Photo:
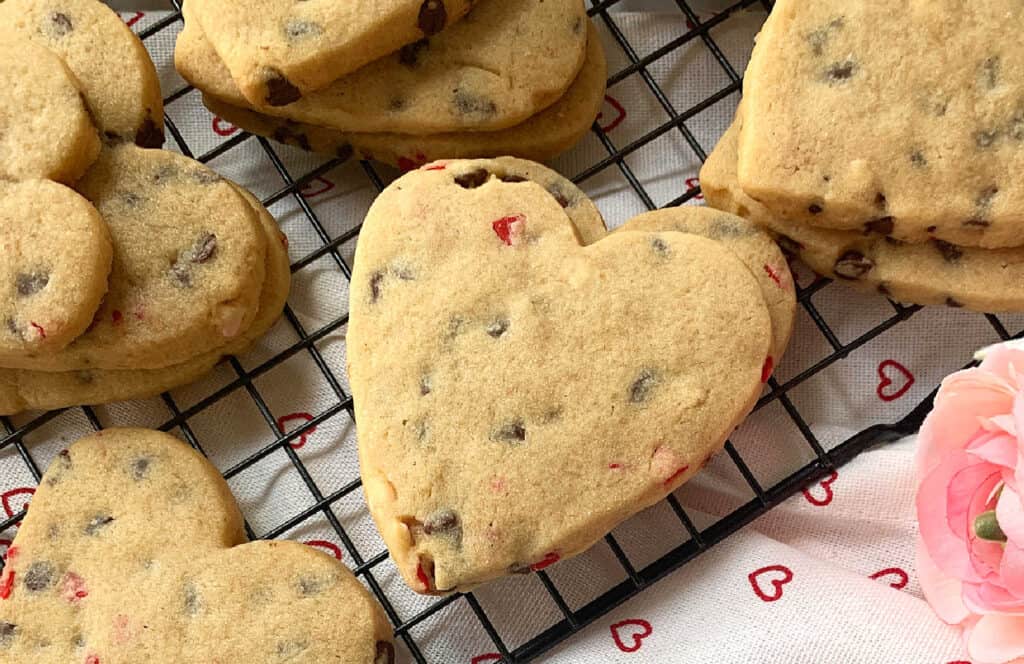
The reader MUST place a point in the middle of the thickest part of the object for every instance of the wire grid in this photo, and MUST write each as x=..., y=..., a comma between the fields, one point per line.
x=637, y=579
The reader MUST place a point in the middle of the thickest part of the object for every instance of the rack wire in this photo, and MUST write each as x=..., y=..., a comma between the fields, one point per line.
x=371, y=568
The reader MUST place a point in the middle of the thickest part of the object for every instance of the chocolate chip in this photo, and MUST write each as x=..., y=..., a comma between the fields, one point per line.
x=882, y=226
x=853, y=265
x=433, y=17
x=841, y=71
x=289, y=134
x=880, y=200
x=893, y=241
x=39, y=576
x=976, y=222
x=30, y=283
x=467, y=103
x=577, y=25
x=950, y=302
x=985, y=138
x=7, y=633
x=918, y=159
x=512, y=178
x=139, y=469
x=473, y=179
x=309, y=586
x=883, y=289
x=932, y=229
x=511, y=432
x=97, y=524
x=384, y=654
x=950, y=252
x=295, y=29
x=202, y=251
x=163, y=174
x=60, y=24
x=191, y=602
x=641, y=388
x=12, y=327
x=814, y=208
x=425, y=385
x=1017, y=125
x=60, y=465
x=498, y=327
x=376, y=285
x=818, y=39
x=409, y=55
x=559, y=196
x=129, y=198
x=288, y=649
x=985, y=198
x=204, y=248
x=789, y=245
x=280, y=91
x=149, y=135
x=445, y=524
x=343, y=152
x=660, y=247
x=204, y=176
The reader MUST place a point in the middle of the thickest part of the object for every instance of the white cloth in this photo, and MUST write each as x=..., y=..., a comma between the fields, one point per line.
x=712, y=610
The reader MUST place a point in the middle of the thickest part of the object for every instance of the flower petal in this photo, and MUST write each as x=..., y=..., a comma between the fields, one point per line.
x=967, y=495
x=987, y=598
x=946, y=550
x=995, y=447
x=1011, y=570
x=1010, y=515
x=942, y=592
x=997, y=638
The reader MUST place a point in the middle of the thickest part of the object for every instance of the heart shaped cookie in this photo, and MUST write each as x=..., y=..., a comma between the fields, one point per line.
x=133, y=550
x=518, y=394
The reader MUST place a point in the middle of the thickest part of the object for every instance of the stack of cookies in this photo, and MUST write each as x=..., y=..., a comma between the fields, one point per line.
x=407, y=82
x=126, y=270
x=881, y=160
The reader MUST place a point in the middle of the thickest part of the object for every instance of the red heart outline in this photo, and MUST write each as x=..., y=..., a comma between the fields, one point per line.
x=487, y=657
x=293, y=417
x=901, y=582
x=222, y=127
x=637, y=636
x=825, y=484
x=5, y=498
x=619, y=119
x=753, y=577
x=134, y=19
x=691, y=184
x=310, y=191
x=329, y=547
x=887, y=381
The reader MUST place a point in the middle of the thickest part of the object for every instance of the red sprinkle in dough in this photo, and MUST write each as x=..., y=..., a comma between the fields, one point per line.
x=7, y=585
x=12, y=553
x=73, y=589
x=773, y=275
x=674, y=476
x=548, y=560
x=116, y=317
x=422, y=577
x=92, y=659
x=505, y=227
x=614, y=466
x=39, y=327
x=766, y=370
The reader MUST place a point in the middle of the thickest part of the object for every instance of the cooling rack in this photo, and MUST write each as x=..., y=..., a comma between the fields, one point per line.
x=278, y=422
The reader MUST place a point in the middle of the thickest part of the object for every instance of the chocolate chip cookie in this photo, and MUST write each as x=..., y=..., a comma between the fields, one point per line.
x=118, y=79
x=518, y=394
x=540, y=138
x=135, y=547
x=493, y=70
x=911, y=123
x=276, y=51
x=38, y=390
x=45, y=128
x=934, y=272
x=188, y=267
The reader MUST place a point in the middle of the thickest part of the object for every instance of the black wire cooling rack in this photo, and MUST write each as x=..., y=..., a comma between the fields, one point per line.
x=825, y=457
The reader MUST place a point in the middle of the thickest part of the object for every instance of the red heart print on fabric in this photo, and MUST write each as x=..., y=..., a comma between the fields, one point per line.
x=894, y=380
x=222, y=127
x=827, y=494
x=620, y=114
x=316, y=186
x=297, y=417
x=767, y=582
x=16, y=500
x=135, y=18
x=630, y=634
x=330, y=547
x=898, y=578
x=691, y=184
x=489, y=657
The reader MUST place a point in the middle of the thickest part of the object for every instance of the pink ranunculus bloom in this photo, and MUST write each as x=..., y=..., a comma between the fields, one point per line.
x=970, y=475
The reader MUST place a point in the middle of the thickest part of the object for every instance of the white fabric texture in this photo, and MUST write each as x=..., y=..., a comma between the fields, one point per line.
x=829, y=541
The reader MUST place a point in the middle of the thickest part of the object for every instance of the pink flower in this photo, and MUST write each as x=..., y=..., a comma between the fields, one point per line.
x=970, y=472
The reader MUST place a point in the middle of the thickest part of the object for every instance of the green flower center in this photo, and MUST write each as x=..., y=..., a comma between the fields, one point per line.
x=986, y=527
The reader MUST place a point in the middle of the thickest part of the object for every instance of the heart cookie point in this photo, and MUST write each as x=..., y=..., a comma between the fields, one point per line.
x=536, y=378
